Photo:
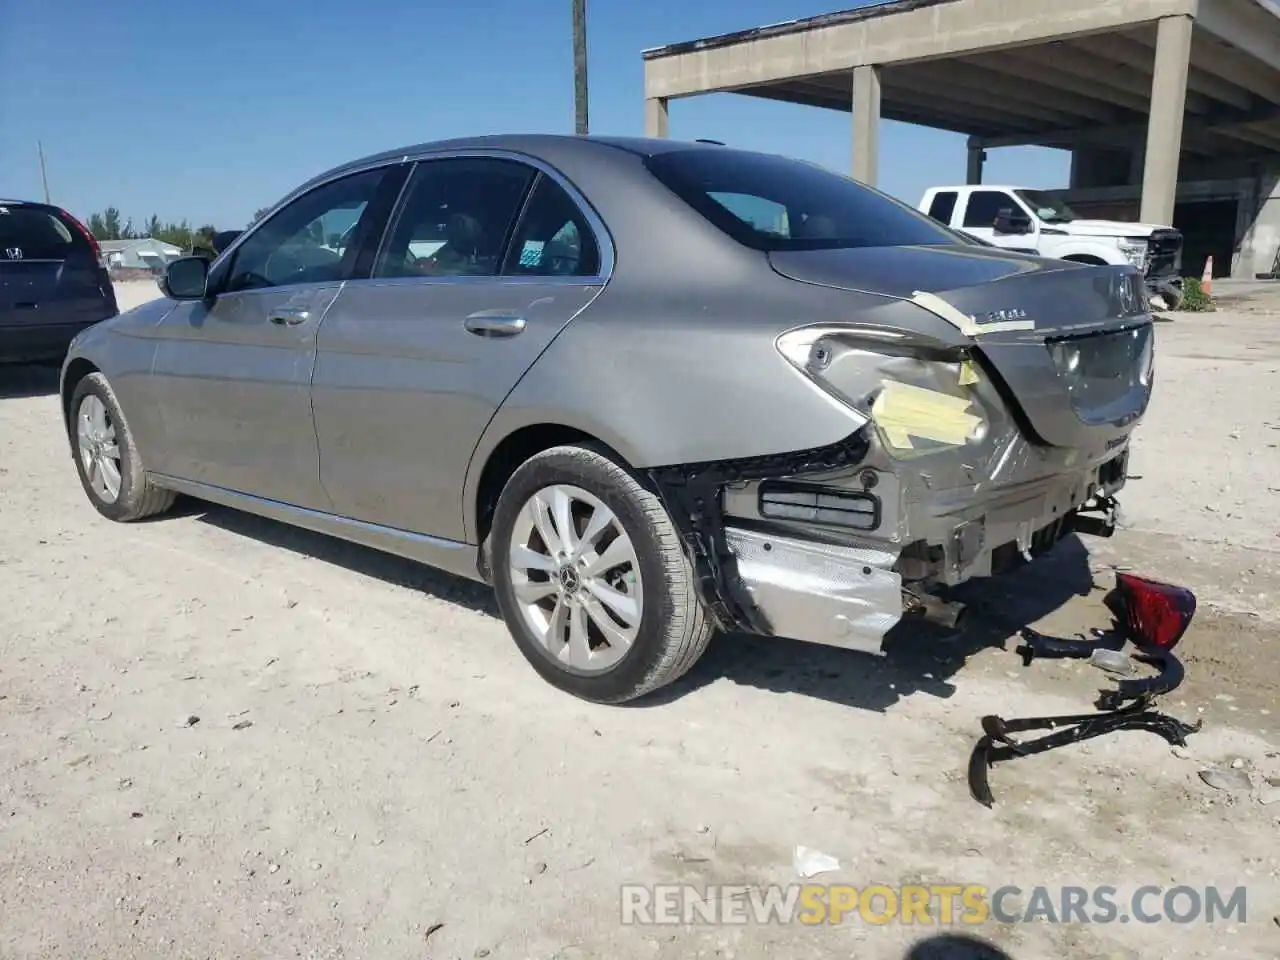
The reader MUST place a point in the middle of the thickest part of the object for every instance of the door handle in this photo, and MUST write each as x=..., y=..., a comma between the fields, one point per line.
x=495, y=324
x=290, y=317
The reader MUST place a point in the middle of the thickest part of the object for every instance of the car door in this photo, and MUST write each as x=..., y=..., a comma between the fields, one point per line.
x=233, y=372
x=486, y=261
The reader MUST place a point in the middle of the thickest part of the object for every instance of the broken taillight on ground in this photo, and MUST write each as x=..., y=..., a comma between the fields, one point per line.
x=1153, y=614
x=1153, y=617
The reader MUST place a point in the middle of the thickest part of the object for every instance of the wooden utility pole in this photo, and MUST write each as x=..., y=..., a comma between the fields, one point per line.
x=44, y=176
x=580, y=66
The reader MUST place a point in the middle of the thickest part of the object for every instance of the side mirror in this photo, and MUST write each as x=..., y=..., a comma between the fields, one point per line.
x=185, y=278
x=1010, y=221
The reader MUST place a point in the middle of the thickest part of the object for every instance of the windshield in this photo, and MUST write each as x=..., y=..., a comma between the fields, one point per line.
x=1046, y=206
x=773, y=203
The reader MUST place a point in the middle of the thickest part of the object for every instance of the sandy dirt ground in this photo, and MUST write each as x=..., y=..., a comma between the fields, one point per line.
x=221, y=737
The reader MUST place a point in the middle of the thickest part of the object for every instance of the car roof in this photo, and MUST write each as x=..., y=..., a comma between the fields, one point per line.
x=4, y=202
x=535, y=144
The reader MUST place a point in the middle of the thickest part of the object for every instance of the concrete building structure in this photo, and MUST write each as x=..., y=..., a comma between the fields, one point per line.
x=1170, y=108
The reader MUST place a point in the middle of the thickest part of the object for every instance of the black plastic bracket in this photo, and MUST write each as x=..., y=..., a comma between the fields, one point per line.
x=692, y=494
x=1128, y=707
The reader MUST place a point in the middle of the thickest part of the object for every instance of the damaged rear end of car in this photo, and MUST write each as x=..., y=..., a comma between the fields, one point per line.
x=997, y=395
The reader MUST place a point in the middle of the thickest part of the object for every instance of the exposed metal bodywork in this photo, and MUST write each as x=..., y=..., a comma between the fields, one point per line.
x=826, y=427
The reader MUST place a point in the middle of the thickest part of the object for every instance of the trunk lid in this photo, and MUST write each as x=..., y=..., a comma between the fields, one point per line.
x=1071, y=344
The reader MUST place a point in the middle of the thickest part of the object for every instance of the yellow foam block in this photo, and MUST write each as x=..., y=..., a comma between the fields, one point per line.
x=905, y=412
x=968, y=374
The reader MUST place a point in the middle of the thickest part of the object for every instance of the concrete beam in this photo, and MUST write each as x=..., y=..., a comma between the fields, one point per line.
x=955, y=114
x=973, y=173
x=1212, y=55
x=656, y=117
x=1007, y=118
x=931, y=32
x=1134, y=133
x=1131, y=52
x=866, y=124
x=1251, y=135
x=1022, y=87
x=1164, y=126
x=1246, y=26
x=1137, y=81
x=964, y=84
x=824, y=99
x=1019, y=64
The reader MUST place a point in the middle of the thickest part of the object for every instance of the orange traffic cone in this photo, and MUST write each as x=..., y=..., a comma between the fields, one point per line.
x=1206, y=278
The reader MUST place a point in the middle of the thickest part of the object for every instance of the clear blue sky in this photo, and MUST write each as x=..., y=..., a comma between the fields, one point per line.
x=210, y=110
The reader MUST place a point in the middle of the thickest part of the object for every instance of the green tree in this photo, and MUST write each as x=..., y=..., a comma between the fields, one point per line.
x=153, y=227
x=179, y=234
x=111, y=224
x=97, y=227
x=259, y=214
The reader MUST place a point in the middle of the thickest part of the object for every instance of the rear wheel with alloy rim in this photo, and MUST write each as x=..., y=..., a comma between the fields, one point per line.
x=591, y=578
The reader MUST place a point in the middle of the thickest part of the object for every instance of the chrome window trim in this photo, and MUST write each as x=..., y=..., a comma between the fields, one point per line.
x=604, y=239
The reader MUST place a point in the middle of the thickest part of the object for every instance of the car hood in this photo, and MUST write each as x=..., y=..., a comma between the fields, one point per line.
x=1017, y=312
x=1108, y=228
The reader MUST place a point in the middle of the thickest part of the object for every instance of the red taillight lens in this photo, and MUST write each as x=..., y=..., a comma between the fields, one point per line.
x=84, y=232
x=1155, y=614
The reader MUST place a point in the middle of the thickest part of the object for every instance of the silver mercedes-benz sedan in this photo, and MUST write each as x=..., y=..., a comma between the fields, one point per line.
x=646, y=389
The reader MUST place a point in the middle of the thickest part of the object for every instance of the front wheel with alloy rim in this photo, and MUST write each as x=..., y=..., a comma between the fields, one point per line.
x=591, y=578
x=106, y=457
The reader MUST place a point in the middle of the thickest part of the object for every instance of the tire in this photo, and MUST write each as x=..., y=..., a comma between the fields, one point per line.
x=673, y=627
x=136, y=497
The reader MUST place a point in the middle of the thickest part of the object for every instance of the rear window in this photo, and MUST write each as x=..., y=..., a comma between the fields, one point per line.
x=773, y=203
x=37, y=234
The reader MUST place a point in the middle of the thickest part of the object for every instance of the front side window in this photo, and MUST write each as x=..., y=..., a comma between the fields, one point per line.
x=456, y=216
x=312, y=240
x=775, y=203
x=554, y=238
x=985, y=205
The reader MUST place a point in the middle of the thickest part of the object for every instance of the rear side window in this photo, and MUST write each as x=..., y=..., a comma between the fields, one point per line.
x=554, y=238
x=36, y=234
x=943, y=206
x=774, y=203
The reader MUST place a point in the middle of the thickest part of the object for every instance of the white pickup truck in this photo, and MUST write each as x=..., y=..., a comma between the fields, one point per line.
x=1021, y=218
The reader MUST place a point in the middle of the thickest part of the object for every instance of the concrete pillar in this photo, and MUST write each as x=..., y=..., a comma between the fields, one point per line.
x=866, y=123
x=1164, y=125
x=655, y=117
x=977, y=157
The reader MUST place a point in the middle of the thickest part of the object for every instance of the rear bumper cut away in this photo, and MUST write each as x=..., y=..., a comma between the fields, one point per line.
x=811, y=582
x=838, y=596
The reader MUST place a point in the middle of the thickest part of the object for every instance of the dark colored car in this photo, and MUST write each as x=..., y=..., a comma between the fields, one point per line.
x=53, y=281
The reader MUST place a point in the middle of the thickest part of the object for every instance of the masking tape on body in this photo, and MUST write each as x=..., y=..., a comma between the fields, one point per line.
x=962, y=321
x=907, y=413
